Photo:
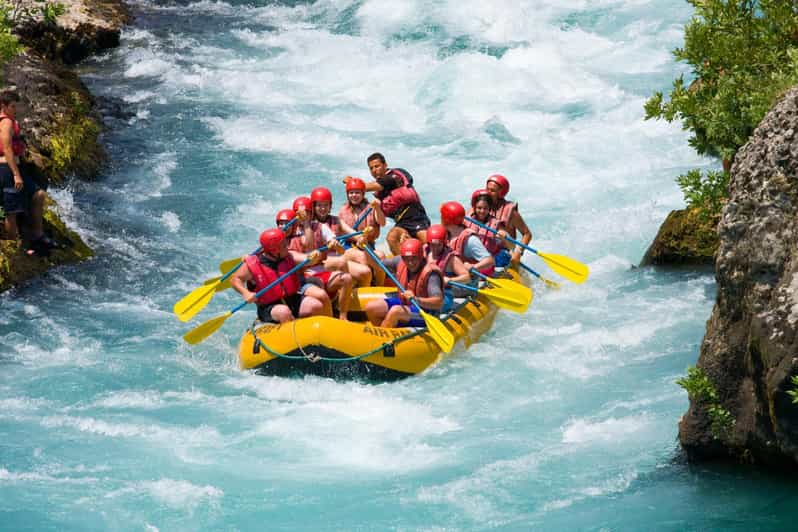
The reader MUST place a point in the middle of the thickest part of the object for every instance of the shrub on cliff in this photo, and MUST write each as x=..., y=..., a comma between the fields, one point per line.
x=743, y=55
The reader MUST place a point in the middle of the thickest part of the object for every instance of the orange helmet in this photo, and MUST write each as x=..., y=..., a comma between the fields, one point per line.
x=356, y=184
x=504, y=184
x=270, y=241
x=436, y=234
x=412, y=247
x=452, y=213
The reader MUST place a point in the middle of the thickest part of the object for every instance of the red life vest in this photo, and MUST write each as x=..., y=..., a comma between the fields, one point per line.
x=491, y=242
x=17, y=142
x=503, y=212
x=443, y=260
x=332, y=222
x=458, y=243
x=263, y=276
x=419, y=284
x=403, y=195
x=347, y=214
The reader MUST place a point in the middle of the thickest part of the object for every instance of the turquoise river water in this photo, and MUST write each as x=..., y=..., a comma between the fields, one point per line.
x=564, y=418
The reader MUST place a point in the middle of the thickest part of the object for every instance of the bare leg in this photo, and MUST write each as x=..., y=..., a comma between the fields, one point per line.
x=342, y=284
x=281, y=314
x=376, y=310
x=319, y=294
x=36, y=213
x=12, y=231
x=395, y=237
x=395, y=315
x=311, y=306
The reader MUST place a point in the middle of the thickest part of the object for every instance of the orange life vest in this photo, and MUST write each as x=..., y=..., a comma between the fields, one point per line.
x=418, y=284
x=348, y=215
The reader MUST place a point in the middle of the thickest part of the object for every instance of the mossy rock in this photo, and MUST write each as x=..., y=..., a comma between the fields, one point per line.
x=684, y=239
x=16, y=266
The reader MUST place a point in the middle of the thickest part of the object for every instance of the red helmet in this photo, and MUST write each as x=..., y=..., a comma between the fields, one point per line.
x=452, y=213
x=479, y=194
x=356, y=184
x=321, y=194
x=302, y=202
x=504, y=184
x=412, y=247
x=285, y=215
x=436, y=234
x=270, y=241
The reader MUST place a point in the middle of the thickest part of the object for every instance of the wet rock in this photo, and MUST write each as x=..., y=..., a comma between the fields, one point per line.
x=750, y=350
x=684, y=239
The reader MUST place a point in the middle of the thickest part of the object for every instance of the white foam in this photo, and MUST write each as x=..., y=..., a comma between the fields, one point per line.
x=171, y=221
x=611, y=430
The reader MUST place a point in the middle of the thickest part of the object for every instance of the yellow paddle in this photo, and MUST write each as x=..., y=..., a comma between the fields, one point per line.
x=201, y=332
x=524, y=292
x=549, y=283
x=501, y=297
x=435, y=327
x=569, y=268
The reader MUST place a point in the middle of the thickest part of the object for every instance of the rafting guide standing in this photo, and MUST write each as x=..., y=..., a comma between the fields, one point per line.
x=399, y=201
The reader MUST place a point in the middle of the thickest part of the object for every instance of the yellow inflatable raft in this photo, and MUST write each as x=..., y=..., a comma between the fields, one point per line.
x=333, y=348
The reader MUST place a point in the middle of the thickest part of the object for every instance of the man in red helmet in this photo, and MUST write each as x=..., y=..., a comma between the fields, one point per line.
x=422, y=280
x=399, y=200
x=291, y=298
x=506, y=212
x=465, y=243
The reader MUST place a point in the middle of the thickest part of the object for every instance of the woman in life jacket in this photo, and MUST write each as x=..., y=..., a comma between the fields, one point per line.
x=481, y=207
x=507, y=213
x=451, y=266
x=289, y=299
x=20, y=194
x=463, y=241
x=354, y=208
x=422, y=280
x=355, y=264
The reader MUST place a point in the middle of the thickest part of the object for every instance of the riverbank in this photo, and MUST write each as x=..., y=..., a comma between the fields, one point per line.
x=59, y=118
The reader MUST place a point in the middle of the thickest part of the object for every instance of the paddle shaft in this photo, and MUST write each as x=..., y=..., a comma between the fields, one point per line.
x=391, y=276
x=232, y=271
x=361, y=218
x=507, y=237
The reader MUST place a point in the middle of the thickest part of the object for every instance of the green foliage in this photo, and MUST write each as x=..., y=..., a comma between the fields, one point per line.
x=698, y=385
x=744, y=55
x=794, y=392
x=701, y=390
x=707, y=192
x=9, y=44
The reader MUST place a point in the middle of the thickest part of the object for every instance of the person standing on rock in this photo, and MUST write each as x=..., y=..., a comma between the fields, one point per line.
x=399, y=200
x=20, y=194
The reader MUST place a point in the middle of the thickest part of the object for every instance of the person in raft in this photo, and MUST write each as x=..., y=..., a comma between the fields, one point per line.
x=354, y=262
x=399, y=200
x=421, y=279
x=311, y=234
x=507, y=213
x=439, y=253
x=289, y=299
x=481, y=207
x=20, y=194
x=467, y=245
x=356, y=204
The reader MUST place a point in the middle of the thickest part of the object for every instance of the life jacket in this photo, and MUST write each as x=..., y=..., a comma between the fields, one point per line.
x=295, y=241
x=419, y=284
x=503, y=212
x=332, y=222
x=17, y=140
x=348, y=216
x=491, y=242
x=265, y=274
x=443, y=260
x=404, y=195
x=458, y=246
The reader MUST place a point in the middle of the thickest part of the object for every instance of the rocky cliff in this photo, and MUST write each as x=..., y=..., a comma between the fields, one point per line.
x=739, y=401
x=58, y=116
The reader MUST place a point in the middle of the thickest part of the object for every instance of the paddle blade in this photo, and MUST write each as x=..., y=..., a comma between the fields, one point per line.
x=507, y=300
x=569, y=268
x=442, y=336
x=200, y=333
x=551, y=284
x=229, y=264
x=194, y=301
x=221, y=286
x=524, y=293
